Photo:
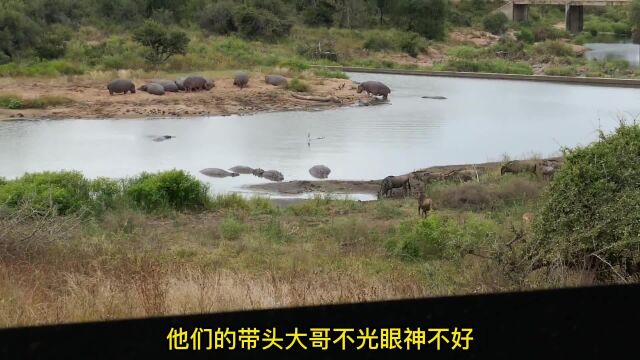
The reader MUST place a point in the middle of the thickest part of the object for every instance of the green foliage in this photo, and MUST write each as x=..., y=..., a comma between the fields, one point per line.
x=525, y=35
x=161, y=43
x=425, y=17
x=437, y=237
x=18, y=32
x=495, y=23
x=320, y=14
x=231, y=229
x=614, y=67
x=330, y=74
x=560, y=70
x=255, y=23
x=298, y=85
x=66, y=191
x=547, y=32
x=16, y=102
x=487, y=66
x=554, y=48
x=592, y=205
x=634, y=18
x=218, y=18
x=172, y=189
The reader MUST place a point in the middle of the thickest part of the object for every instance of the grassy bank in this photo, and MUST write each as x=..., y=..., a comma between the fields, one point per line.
x=75, y=249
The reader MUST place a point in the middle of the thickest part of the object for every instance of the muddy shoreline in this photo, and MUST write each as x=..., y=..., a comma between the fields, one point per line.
x=91, y=100
x=417, y=178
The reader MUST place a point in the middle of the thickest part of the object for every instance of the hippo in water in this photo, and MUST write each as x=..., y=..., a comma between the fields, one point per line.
x=320, y=172
x=121, y=86
x=195, y=83
x=242, y=169
x=273, y=175
x=275, y=80
x=241, y=80
x=163, y=138
x=374, y=87
x=152, y=88
x=215, y=172
x=168, y=85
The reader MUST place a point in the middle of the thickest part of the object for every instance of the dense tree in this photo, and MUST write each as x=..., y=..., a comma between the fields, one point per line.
x=255, y=23
x=320, y=13
x=18, y=32
x=426, y=17
x=635, y=20
x=218, y=18
x=160, y=42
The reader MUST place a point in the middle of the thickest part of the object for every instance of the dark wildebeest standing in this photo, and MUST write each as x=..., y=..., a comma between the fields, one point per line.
x=393, y=182
x=425, y=204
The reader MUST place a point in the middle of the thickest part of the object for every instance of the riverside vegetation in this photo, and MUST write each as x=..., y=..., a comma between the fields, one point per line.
x=72, y=37
x=77, y=249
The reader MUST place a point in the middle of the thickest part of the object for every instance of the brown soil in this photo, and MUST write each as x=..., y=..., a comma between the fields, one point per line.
x=92, y=100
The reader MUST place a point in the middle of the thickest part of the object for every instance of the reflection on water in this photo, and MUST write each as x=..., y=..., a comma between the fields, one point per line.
x=479, y=121
x=614, y=51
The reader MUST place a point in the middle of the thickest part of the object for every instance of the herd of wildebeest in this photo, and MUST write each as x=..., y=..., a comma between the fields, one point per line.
x=241, y=79
x=541, y=168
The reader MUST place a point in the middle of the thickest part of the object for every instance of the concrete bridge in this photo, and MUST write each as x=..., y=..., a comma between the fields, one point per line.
x=518, y=10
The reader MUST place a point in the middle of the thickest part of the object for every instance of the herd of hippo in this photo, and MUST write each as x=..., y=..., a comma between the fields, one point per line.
x=317, y=171
x=241, y=79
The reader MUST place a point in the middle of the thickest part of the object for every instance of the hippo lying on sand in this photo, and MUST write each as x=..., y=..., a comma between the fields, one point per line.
x=320, y=172
x=215, y=172
x=374, y=88
x=121, y=86
x=195, y=83
x=273, y=175
x=168, y=85
x=241, y=80
x=152, y=88
x=275, y=80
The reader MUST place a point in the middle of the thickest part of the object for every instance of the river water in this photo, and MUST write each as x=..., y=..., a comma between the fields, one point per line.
x=481, y=120
x=610, y=51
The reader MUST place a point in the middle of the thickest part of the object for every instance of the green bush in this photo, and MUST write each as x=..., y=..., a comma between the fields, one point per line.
x=231, y=229
x=547, y=32
x=172, y=189
x=495, y=23
x=437, y=238
x=554, y=48
x=320, y=15
x=255, y=23
x=298, y=85
x=218, y=18
x=592, y=206
x=66, y=191
x=330, y=74
x=560, y=70
x=526, y=36
x=376, y=42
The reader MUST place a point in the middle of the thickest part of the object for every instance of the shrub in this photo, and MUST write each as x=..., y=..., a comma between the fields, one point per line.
x=218, y=18
x=542, y=33
x=16, y=102
x=330, y=74
x=320, y=15
x=231, y=229
x=560, y=70
x=495, y=23
x=172, y=189
x=488, y=66
x=255, y=23
x=66, y=191
x=298, y=85
x=554, y=48
x=525, y=35
x=376, y=42
x=411, y=44
x=161, y=43
x=591, y=207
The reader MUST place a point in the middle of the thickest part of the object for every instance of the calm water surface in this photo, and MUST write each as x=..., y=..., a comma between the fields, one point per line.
x=479, y=121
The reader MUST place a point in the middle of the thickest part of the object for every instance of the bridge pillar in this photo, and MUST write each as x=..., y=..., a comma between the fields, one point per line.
x=520, y=12
x=574, y=17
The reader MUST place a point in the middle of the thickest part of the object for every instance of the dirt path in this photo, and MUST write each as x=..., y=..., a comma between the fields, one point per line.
x=92, y=100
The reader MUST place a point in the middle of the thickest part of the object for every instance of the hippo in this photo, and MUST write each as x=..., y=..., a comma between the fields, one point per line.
x=152, y=88
x=195, y=83
x=215, y=172
x=273, y=175
x=374, y=87
x=180, y=83
x=242, y=169
x=320, y=172
x=519, y=166
x=168, y=85
x=121, y=86
x=241, y=80
x=275, y=80
x=392, y=182
x=258, y=172
x=163, y=138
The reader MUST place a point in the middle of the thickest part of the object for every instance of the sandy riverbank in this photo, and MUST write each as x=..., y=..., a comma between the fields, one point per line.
x=90, y=98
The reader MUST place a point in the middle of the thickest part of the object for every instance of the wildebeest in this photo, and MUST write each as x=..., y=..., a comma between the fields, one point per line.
x=393, y=182
x=519, y=166
x=425, y=204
